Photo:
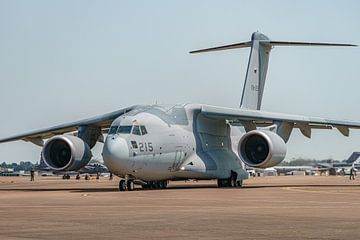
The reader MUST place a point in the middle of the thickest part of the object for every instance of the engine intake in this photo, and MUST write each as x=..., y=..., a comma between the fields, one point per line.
x=66, y=153
x=261, y=149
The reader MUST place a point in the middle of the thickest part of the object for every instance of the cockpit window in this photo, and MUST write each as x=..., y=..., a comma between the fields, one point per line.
x=136, y=130
x=143, y=130
x=113, y=130
x=124, y=130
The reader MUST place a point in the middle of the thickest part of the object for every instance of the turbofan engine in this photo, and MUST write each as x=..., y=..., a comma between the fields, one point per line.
x=66, y=153
x=261, y=149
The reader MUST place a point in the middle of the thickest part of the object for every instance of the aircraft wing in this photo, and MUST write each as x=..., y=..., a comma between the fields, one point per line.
x=103, y=121
x=262, y=118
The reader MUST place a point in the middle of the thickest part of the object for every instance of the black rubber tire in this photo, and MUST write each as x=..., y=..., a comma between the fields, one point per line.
x=155, y=185
x=220, y=183
x=130, y=185
x=122, y=185
x=160, y=184
x=165, y=183
x=232, y=182
x=239, y=183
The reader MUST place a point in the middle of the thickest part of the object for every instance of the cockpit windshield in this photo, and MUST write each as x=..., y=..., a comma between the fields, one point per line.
x=127, y=129
x=139, y=130
x=136, y=130
x=143, y=130
x=113, y=130
x=124, y=130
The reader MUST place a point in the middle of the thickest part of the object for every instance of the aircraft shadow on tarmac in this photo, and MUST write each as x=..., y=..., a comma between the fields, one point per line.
x=179, y=187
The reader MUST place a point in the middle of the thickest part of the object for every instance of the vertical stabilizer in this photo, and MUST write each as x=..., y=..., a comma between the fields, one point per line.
x=256, y=72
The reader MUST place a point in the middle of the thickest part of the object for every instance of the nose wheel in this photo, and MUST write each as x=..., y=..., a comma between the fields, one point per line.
x=122, y=185
x=126, y=185
x=130, y=185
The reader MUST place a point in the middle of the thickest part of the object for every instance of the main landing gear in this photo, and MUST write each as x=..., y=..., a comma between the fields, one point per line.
x=230, y=182
x=156, y=184
x=129, y=185
x=66, y=176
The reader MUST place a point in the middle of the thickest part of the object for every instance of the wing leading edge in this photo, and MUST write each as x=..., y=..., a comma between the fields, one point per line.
x=103, y=121
x=262, y=118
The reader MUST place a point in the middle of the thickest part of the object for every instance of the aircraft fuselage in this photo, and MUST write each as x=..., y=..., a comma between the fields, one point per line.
x=155, y=143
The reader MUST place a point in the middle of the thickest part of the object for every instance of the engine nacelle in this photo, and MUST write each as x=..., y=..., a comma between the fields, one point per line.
x=66, y=153
x=261, y=149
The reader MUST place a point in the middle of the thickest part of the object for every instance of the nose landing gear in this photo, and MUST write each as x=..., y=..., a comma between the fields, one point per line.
x=130, y=185
x=126, y=185
x=122, y=185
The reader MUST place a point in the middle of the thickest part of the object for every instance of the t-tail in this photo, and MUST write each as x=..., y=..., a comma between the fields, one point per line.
x=258, y=63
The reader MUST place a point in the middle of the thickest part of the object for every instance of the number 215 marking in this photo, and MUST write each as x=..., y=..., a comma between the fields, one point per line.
x=146, y=147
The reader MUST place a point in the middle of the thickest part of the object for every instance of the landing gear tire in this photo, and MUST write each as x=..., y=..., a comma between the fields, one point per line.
x=222, y=183
x=232, y=179
x=130, y=185
x=66, y=176
x=163, y=184
x=122, y=185
x=239, y=183
x=232, y=182
x=155, y=185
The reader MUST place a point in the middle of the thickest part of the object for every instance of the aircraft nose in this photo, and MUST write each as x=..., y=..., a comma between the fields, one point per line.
x=116, y=154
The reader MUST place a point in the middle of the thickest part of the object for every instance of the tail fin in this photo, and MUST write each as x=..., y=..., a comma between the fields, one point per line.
x=353, y=157
x=255, y=78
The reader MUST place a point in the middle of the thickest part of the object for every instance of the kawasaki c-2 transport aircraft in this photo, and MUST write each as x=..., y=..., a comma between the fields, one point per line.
x=151, y=144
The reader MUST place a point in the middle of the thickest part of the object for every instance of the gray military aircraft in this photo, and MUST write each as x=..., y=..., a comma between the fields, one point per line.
x=151, y=144
x=92, y=167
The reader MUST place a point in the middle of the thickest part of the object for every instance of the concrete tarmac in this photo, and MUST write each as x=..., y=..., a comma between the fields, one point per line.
x=286, y=207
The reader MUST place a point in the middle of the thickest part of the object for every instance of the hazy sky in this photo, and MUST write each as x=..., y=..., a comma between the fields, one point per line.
x=65, y=60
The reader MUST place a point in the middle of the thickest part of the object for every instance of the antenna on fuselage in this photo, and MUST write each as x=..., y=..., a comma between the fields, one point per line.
x=257, y=67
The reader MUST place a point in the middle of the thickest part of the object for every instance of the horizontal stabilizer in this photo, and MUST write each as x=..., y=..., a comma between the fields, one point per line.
x=225, y=47
x=281, y=43
x=272, y=43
